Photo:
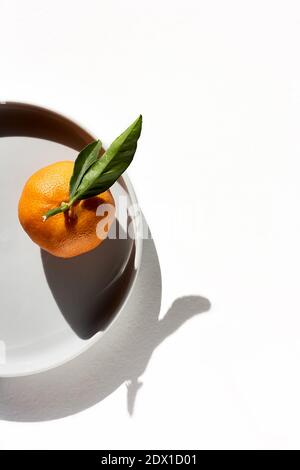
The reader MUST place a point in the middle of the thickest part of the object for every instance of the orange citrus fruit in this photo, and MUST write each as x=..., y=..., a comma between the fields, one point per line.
x=66, y=234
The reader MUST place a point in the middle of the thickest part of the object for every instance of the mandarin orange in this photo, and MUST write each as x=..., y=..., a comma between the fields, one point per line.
x=67, y=234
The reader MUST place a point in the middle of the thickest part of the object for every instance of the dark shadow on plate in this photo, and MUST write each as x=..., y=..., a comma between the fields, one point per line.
x=89, y=289
x=120, y=357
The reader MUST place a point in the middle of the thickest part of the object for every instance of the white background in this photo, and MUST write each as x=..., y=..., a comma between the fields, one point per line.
x=217, y=176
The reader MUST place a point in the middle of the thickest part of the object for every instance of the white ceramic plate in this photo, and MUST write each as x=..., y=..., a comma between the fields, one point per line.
x=51, y=309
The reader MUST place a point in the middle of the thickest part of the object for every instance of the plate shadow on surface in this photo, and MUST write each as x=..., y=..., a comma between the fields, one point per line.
x=121, y=356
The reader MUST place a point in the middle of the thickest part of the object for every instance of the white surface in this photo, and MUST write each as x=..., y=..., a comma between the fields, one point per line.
x=218, y=85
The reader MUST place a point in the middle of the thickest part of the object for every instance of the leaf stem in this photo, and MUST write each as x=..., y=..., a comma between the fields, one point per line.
x=64, y=207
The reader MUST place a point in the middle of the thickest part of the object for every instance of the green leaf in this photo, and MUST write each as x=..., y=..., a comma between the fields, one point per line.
x=103, y=173
x=93, y=175
x=86, y=158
